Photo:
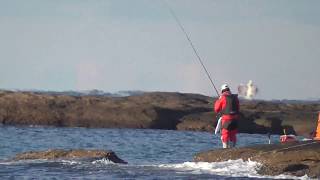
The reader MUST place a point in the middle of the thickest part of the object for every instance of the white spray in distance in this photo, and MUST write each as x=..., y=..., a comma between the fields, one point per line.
x=248, y=91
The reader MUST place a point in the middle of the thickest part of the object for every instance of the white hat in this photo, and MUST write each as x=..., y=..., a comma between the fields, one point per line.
x=224, y=87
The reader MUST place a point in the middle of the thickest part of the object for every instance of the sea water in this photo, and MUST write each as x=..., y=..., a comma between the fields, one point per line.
x=151, y=154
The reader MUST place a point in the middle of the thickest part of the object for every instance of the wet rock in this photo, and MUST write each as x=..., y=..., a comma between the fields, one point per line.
x=296, y=158
x=54, y=154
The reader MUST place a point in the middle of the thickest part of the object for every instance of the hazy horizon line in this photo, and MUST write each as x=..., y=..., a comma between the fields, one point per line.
x=144, y=91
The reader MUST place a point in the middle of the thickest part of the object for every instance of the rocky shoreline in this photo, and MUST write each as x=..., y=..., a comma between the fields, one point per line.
x=155, y=110
x=173, y=111
x=296, y=158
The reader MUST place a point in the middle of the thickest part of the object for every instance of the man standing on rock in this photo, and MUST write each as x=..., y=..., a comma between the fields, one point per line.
x=228, y=106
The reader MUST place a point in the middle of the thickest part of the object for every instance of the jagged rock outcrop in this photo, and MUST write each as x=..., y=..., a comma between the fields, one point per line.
x=54, y=154
x=156, y=110
x=296, y=158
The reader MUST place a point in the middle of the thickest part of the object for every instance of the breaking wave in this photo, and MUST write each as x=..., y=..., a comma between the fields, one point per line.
x=231, y=168
x=103, y=161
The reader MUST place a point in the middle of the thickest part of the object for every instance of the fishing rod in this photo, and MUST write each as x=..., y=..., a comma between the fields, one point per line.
x=191, y=44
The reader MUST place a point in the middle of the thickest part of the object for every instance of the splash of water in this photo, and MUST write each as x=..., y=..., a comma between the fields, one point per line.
x=231, y=168
x=248, y=91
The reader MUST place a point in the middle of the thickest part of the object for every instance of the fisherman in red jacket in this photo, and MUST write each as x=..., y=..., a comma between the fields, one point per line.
x=228, y=106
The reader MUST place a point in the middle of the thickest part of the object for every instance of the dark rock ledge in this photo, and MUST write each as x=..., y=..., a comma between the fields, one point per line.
x=54, y=154
x=297, y=158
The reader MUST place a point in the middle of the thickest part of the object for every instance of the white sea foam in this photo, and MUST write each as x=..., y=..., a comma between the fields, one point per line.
x=29, y=161
x=103, y=161
x=7, y=163
x=70, y=162
x=231, y=168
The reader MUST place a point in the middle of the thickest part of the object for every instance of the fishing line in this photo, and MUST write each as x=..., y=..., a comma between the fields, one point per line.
x=286, y=148
x=191, y=44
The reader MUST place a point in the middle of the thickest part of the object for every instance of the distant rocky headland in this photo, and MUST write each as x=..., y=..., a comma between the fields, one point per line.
x=155, y=110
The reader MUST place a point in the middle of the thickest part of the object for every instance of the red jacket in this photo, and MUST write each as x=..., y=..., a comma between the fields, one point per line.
x=221, y=103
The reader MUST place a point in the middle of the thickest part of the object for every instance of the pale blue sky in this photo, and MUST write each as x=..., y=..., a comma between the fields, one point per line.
x=116, y=45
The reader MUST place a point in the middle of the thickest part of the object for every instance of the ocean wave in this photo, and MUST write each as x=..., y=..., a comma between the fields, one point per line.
x=70, y=162
x=13, y=162
x=103, y=161
x=231, y=168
